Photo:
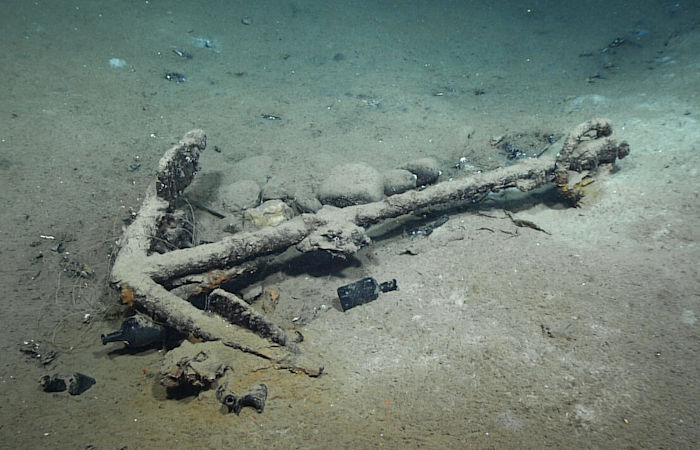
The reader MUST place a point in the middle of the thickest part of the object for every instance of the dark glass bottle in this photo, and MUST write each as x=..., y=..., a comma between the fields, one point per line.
x=363, y=291
x=136, y=331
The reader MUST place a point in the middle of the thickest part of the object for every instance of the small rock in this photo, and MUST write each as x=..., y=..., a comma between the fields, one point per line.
x=426, y=169
x=274, y=190
x=239, y=196
x=351, y=184
x=250, y=293
x=307, y=202
x=397, y=181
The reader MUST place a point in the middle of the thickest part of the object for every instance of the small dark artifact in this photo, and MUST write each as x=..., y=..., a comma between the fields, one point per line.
x=136, y=331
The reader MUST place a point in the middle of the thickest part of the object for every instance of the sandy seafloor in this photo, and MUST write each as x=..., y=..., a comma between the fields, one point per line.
x=458, y=357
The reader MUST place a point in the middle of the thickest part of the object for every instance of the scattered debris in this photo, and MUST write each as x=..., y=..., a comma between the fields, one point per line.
x=182, y=53
x=52, y=383
x=34, y=350
x=255, y=397
x=176, y=77
x=444, y=90
x=202, y=42
x=77, y=383
x=428, y=229
x=546, y=331
x=524, y=145
x=524, y=223
x=135, y=164
x=613, y=44
x=116, y=63
x=75, y=268
x=195, y=365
